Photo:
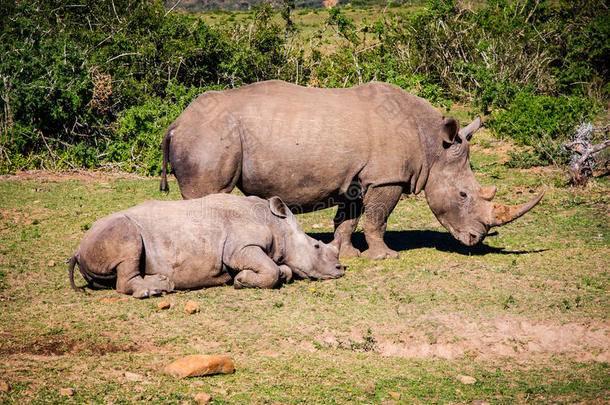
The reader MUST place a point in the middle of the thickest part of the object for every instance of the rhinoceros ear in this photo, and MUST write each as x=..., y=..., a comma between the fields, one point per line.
x=278, y=208
x=450, y=129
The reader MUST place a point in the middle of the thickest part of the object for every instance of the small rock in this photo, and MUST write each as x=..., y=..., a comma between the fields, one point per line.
x=191, y=307
x=4, y=385
x=129, y=376
x=51, y=263
x=66, y=391
x=163, y=305
x=111, y=299
x=394, y=395
x=203, y=397
x=200, y=364
x=466, y=379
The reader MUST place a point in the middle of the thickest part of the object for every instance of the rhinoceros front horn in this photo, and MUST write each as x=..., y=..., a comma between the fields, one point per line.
x=503, y=214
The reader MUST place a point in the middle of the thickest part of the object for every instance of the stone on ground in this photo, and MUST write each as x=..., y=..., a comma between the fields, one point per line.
x=191, y=307
x=163, y=305
x=466, y=379
x=198, y=365
x=66, y=391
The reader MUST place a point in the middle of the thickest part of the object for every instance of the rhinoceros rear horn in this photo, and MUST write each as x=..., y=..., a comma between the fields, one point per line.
x=336, y=243
x=488, y=193
x=278, y=208
x=503, y=214
x=471, y=128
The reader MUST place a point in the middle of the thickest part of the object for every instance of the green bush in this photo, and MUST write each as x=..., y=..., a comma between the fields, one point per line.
x=541, y=122
x=135, y=146
x=94, y=84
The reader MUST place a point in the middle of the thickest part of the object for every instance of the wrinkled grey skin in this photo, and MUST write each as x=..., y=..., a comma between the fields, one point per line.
x=357, y=148
x=161, y=245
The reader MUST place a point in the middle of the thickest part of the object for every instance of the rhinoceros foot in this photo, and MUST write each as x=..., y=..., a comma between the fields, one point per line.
x=285, y=274
x=153, y=285
x=348, y=252
x=381, y=253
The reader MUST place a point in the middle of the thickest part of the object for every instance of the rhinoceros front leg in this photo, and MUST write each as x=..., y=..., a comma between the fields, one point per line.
x=378, y=204
x=256, y=269
x=346, y=220
x=129, y=281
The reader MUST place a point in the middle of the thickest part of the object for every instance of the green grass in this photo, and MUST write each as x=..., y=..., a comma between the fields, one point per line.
x=525, y=313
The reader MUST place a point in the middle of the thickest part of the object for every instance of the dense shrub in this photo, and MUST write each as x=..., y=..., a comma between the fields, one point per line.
x=75, y=74
x=93, y=84
x=542, y=122
x=135, y=146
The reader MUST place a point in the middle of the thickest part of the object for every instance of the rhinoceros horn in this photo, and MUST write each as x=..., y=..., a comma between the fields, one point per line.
x=503, y=214
x=488, y=193
x=336, y=243
x=471, y=128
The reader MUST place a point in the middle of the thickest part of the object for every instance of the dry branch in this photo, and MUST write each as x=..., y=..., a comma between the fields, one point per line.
x=583, y=153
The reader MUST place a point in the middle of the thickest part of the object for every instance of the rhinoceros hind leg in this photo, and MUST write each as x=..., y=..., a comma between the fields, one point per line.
x=378, y=204
x=346, y=220
x=149, y=286
x=256, y=269
x=207, y=166
x=129, y=281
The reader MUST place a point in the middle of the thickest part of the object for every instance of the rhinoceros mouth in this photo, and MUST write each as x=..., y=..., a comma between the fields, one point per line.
x=331, y=276
x=470, y=237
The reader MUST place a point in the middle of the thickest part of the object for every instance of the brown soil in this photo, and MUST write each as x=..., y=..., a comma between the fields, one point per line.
x=82, y=175
x=450, y=337
x=60, y=344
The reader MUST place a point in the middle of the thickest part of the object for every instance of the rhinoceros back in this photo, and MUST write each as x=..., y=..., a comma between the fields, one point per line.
x=305, y=145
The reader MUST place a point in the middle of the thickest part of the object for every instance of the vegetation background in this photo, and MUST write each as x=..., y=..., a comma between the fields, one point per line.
x=95, y=84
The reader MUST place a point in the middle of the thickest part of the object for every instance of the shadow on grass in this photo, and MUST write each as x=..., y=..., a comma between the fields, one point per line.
x=443, y=241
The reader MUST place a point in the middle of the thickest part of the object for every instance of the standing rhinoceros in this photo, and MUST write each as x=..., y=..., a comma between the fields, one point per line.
x=161, y=245
x=357, y=148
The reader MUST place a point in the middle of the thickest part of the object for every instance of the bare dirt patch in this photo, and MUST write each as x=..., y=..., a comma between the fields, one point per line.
x=514, y=338
x=451, y=337
x=20, y=217
x=81, y=175
x=59, y=345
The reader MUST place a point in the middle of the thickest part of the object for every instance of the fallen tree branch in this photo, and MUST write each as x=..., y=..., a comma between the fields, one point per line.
x=583, y=153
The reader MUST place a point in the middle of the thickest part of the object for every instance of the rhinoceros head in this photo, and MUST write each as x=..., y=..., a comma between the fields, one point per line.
x=306, y=256
x=457, y=200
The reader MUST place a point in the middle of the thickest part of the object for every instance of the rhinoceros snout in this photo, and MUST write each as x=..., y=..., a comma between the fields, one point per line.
x=471, y=238
x=338, y=271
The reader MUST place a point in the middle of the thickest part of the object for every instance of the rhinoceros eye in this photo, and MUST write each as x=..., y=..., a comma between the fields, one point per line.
x=462, y=194
x=316, y=245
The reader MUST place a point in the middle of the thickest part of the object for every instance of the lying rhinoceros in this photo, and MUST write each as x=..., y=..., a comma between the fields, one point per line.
x=358, y=148
x=161, y=245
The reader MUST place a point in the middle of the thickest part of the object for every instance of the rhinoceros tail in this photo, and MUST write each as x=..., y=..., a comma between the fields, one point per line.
x=73, y=262
x=165, y=147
